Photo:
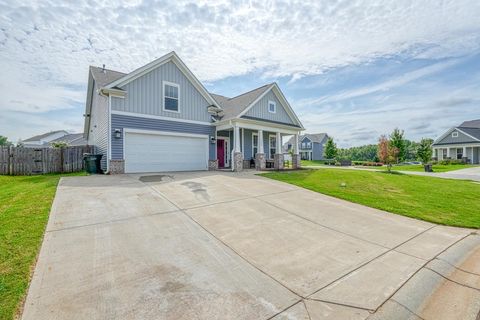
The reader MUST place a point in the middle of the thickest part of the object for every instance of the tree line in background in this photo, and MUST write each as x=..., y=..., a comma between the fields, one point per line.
x=393, y=148
x=4, y=142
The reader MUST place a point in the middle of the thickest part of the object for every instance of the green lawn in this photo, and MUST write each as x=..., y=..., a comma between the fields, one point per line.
x=443, y=201
x=312, y=163
x=419, y=167
x=25, y=203
x=436, y=167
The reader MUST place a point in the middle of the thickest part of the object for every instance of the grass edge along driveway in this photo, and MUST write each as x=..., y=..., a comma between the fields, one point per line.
x=442, y=201
x=25, y=203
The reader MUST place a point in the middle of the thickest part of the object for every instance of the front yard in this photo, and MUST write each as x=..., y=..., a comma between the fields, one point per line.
x=414, y=167
x=443, y=201
x=435, y=167
x=25, y=203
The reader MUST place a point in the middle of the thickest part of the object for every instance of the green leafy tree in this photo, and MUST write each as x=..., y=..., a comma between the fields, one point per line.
x=397, y=141
x=387, y=153
x=424, y=150
x=4, y=141
x=59, y=144
x=331, y=150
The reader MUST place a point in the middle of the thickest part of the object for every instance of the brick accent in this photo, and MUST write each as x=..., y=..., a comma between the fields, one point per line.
x=212, y=165
x=278, y=161
x=296, y=161
x=117, y=166
x=238, y=161
x=260, y=161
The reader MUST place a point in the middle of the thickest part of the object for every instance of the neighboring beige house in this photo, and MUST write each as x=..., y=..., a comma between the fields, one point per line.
x=462, y=142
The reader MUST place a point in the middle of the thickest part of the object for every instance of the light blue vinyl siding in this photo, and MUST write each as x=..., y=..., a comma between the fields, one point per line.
x=144, y=95
x=247, y=152
x=121, y=122
x=306, y=140
x=260, y=110
x=98, y=135
x=317, y=152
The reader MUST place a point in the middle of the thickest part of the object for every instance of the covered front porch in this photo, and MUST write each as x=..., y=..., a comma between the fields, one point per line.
x=467, y=153
x=247, y=144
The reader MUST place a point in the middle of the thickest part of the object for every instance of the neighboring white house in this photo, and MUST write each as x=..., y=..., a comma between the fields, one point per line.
x=460, y=143
x=45, y=140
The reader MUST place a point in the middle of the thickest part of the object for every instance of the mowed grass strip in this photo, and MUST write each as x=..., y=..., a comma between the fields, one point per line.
x=25, y=203
x=442, y=201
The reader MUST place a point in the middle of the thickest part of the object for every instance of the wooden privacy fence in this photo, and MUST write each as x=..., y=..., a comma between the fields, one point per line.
x=27, y=161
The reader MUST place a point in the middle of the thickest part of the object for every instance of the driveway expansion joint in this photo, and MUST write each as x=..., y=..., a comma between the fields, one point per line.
x=408, y=309
x=451, y=280
x=226, y=245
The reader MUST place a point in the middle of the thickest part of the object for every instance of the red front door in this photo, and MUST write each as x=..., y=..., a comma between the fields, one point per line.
x=221, y=153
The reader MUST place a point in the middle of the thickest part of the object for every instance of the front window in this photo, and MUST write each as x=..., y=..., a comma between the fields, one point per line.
x=454, y=134
x=444, y=153
x=273, y=146
x=254, y=144
x=272, y=106
x=171, y=96
x=459, y=153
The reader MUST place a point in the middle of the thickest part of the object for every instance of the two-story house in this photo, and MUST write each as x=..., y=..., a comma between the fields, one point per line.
x=310, y=146
x=161, y=118
x=459, y=143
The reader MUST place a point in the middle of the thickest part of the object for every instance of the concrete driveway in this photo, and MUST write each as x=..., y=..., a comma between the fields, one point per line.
x=217, y=245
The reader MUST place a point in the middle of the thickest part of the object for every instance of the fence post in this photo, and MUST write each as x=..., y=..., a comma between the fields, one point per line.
x=62, y=159
x=10, y=160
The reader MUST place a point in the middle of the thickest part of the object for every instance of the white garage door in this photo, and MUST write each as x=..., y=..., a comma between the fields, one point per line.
x=160, y=152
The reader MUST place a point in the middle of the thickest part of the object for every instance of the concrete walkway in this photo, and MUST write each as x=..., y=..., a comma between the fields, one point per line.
x=462, y=174
x=213, y=245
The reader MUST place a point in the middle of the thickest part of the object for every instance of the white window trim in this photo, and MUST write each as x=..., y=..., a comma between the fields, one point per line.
x=253, y=147
x=271, y=156
x=274, y=106
x=455, y=134
x=163, y=95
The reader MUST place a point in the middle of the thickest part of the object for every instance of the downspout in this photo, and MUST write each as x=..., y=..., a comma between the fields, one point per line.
x=108, y=129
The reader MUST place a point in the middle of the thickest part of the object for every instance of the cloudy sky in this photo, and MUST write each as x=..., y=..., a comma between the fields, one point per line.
x=355, y=69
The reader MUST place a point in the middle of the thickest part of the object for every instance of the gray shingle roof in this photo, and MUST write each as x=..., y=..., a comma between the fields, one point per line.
x=105, y=76
x=470, y=124
x=73, y=139
x=42, y=136
x=234, y=106
x=314, y=137
x=474, y=132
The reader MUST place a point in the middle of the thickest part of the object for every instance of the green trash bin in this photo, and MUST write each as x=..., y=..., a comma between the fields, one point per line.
x=92, y=163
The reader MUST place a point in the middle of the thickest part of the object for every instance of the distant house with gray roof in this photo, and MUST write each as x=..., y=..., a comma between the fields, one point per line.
x=461, y=142
x=310, y=145
x=46, y=140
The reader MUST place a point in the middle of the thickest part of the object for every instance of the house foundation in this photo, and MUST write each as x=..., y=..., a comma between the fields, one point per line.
x=212, y=165
x=117, y=166
x=278, y=161
x=296, y=162
x=260, y=161
x=237, y=161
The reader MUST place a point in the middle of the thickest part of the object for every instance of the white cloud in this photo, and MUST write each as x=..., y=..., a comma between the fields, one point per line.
x=382, y=86
x=46, y=46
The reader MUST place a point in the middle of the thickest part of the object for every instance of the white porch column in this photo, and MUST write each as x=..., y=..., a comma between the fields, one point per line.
x=260, y=141
x=448, y=152
x=296, y=144
x=279, y=143
x=464, y=154
x=278, y=157
x=296, y=154
x=236, y=138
